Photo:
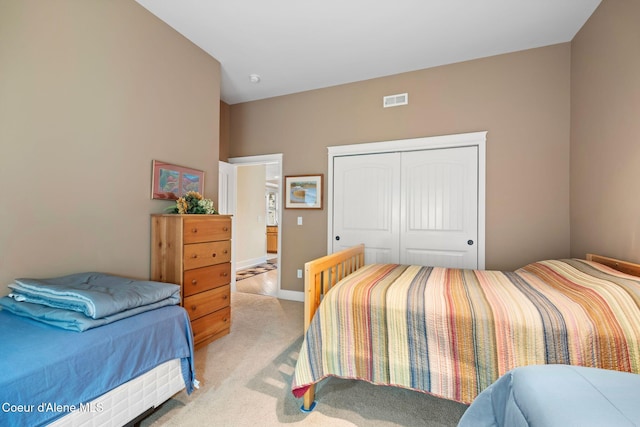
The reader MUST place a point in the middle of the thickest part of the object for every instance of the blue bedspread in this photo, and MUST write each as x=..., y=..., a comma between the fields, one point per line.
x=557, y=396
x=43, y=368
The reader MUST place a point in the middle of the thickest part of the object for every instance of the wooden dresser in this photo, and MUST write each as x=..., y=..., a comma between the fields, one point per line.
x=194, y=251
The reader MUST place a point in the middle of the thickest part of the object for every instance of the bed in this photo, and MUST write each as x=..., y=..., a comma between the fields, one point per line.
x=452, y=332
x=63, y=367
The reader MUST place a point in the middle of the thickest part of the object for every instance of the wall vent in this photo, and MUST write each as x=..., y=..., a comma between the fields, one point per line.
x=395, y=100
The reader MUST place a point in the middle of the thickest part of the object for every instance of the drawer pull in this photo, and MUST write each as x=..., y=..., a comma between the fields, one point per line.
x=193, y=308
x=225, y=274
x=225, y=252
x=213, y=254
x=225, y=228
x=194, y=256
x=194, y=230
x=225, y=320
x=194, y=282
x=225, y=297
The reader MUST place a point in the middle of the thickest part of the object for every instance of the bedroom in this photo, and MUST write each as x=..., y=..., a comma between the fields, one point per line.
x=80, y=125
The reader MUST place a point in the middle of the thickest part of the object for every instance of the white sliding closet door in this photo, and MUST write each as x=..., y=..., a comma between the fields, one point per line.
x=439, y=208
x=413, y=207
x=366, y=199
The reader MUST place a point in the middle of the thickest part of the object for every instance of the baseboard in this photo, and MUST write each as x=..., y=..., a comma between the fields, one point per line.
x=248, y=263
x=291, y=295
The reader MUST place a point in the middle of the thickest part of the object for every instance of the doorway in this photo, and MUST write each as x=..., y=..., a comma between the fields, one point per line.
x=257, y=214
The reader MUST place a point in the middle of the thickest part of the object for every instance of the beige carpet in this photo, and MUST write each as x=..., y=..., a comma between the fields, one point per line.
x=246, y=377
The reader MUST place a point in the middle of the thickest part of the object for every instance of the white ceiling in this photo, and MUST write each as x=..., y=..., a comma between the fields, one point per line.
x=299, y=45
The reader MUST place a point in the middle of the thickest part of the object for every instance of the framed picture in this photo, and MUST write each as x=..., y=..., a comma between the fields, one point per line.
x=170, y=182
x=303, y=192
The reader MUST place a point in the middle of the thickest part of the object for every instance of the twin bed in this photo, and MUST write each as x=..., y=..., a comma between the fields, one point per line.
x=91, y=349
x=452, y=333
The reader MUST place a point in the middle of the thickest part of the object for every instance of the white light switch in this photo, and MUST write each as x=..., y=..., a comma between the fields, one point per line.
x=299, y=220
x=299, y=274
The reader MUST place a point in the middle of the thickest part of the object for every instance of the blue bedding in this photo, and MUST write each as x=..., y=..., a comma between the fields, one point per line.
x=73, y=320
x=96, y=295
x=44, y=368
x=557, y=395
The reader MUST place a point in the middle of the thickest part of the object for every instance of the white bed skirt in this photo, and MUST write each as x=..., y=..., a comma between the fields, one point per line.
x=124, y=403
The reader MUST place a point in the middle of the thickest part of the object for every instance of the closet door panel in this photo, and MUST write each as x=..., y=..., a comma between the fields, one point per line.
x=439, y=207
x=366, y=200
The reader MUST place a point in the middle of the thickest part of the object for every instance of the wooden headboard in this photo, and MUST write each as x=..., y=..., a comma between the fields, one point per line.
x=321, y=274
x=623, y=266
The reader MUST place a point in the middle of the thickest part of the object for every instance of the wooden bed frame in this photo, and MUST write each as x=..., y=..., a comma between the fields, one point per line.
x=323, y=273
x=616, y=264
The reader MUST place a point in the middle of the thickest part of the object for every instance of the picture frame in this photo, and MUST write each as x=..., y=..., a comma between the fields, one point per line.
x=170, y=182
x=303, y=191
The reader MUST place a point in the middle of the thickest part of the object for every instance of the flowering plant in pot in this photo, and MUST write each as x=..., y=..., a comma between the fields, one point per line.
x=193, y=203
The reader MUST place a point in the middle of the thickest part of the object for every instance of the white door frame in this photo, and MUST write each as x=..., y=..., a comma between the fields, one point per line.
x=258, y=160
x=477, y=139
x=227, y=206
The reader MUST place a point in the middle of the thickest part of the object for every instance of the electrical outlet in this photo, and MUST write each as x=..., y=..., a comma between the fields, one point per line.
x=299, y=273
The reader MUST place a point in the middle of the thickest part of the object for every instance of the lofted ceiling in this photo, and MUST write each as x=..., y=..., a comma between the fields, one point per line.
x=299, y=45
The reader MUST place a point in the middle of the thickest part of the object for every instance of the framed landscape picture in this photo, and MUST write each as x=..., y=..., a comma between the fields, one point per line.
x=303, y=192
x=170, y=182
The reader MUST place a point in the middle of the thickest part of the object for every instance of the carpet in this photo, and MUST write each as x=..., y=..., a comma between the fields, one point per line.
x=245, y=381
x=258, y=269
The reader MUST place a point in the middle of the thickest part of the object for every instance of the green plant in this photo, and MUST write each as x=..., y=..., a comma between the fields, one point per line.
x=193, y=203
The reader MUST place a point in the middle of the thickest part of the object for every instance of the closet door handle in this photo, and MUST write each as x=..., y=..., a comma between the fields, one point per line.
x=470, y=242
x=337, y=237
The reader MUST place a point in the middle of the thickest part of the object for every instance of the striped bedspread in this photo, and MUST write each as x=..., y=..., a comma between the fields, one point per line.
x=452, y=332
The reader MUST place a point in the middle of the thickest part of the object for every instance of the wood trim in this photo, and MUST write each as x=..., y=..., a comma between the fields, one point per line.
x=617, y=264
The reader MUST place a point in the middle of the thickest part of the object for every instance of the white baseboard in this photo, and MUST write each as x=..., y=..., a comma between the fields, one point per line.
x=291, y=295
x=248, y=263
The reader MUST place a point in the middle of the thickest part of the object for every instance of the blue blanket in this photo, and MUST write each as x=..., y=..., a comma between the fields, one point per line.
x=72, y=320
x=96, y=295
x=42, y=364
x=557, y=396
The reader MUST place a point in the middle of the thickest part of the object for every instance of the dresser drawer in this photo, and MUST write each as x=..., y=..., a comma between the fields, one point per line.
x=202, y=279
x=211, y=324
x=197, y=230
x=198, y=305
x=199, y=255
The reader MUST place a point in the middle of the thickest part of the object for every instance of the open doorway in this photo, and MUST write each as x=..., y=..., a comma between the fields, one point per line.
x=253, y=188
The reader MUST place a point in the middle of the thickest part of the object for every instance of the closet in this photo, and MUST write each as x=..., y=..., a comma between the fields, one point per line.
x=411, y=201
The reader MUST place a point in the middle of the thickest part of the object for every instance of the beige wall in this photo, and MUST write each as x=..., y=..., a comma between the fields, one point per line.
x=90, y=93
x=605, y=133
x=522, y=99
x=224, y=131
x=251, y=210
